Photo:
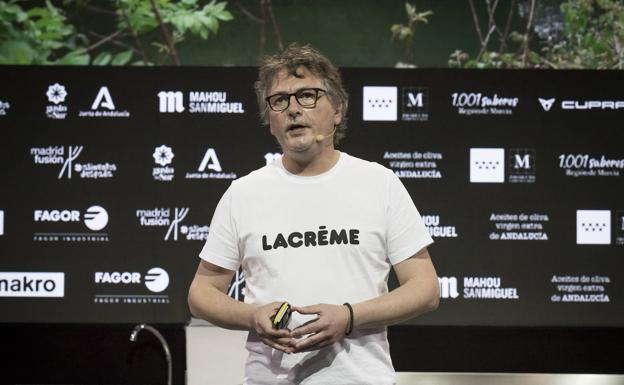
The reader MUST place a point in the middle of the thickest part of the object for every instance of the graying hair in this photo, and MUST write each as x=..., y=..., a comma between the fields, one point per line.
x=293, y=57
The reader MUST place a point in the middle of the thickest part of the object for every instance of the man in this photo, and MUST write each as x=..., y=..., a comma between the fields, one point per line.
x=319, y=229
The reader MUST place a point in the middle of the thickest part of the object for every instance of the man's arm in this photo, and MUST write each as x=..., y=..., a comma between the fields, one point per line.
x=208, y=300
x=417, y=294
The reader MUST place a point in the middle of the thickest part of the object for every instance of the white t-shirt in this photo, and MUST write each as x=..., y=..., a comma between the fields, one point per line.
x=330, y=238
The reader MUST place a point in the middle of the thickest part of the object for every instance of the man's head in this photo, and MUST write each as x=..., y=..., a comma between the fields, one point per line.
x=297, y=61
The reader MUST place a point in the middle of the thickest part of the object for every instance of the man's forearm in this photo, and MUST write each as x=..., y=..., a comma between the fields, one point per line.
x=407, y=301
x=209, y=303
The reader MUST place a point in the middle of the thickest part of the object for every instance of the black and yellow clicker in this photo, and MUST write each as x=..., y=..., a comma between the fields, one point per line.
x=282, y=317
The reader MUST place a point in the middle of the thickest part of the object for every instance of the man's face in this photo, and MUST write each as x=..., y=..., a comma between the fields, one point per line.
x=297, y=127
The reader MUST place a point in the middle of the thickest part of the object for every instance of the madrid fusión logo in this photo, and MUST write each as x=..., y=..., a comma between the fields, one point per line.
x=67, y=158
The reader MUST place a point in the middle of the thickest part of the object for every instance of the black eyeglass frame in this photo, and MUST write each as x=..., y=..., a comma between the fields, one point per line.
x=316, y=98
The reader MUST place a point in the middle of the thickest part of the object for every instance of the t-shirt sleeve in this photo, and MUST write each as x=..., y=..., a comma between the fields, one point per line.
x=406, y=232
x=221, y=247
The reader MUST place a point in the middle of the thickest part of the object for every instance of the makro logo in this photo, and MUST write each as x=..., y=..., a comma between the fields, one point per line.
x=415, y=106
x=170, y=101
x=103, y=106
x=448, y=287
x=56, y=94
x=1, y=222
x=593, y=227
x=522, y=167
x=380, y=103
x=31, y=284
x=487, y=165
x=210, y=168
x=163, y=156
x=58, y=155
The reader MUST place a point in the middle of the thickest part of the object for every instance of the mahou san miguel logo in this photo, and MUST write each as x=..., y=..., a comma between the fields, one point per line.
x=69, y=163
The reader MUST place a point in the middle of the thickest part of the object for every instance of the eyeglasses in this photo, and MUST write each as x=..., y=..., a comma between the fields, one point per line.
x=306, y=97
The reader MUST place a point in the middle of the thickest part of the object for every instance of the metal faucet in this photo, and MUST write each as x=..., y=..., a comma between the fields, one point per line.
x=135, y=333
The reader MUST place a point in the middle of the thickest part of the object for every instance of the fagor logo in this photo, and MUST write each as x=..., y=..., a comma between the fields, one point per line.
x=380, y=103
x=116, y=277
x=170, y=101
x=487, y=165
x=18, y=284
x=156, y=279
x=96, y=218
x=593, y=227
x=448, y=287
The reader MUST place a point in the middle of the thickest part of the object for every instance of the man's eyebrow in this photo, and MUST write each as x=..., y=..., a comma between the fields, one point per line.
x=297, y=90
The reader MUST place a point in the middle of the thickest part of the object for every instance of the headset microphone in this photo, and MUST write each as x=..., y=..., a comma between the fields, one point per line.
x=321, y=137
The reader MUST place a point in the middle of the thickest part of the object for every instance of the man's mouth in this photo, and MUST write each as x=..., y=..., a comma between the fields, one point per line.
x=295, y=126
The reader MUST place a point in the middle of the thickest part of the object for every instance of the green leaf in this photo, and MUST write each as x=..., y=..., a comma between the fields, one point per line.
x=225, y=16
x=74, y=58
x=122, y=58
x=102, y=59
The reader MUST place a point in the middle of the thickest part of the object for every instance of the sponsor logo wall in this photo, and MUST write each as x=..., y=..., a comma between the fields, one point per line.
x=111, y=176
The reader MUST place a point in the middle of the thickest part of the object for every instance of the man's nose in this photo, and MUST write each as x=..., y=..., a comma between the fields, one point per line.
x=293, y=105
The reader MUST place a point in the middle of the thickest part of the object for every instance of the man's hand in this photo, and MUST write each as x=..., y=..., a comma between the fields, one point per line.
x=330, y=326
x=280, y=339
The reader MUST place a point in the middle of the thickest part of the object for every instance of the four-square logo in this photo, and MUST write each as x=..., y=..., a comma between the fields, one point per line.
x=380, y=103
x=487, y=165
x=593, y=227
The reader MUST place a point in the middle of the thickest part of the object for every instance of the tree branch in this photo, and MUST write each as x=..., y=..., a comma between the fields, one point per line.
x=526, y=35
x=250, y=15
x=505, y=35
x=475, y=18
x=137, y=40
x=276, y=30
x=163, y=28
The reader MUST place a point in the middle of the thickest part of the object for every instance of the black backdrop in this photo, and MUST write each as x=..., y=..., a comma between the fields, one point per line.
x=518, y=174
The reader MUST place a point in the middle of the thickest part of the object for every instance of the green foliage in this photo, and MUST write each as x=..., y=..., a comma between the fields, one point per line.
x=39, y=35
x=592, y=38
x=407, y=32
x=44, y=35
